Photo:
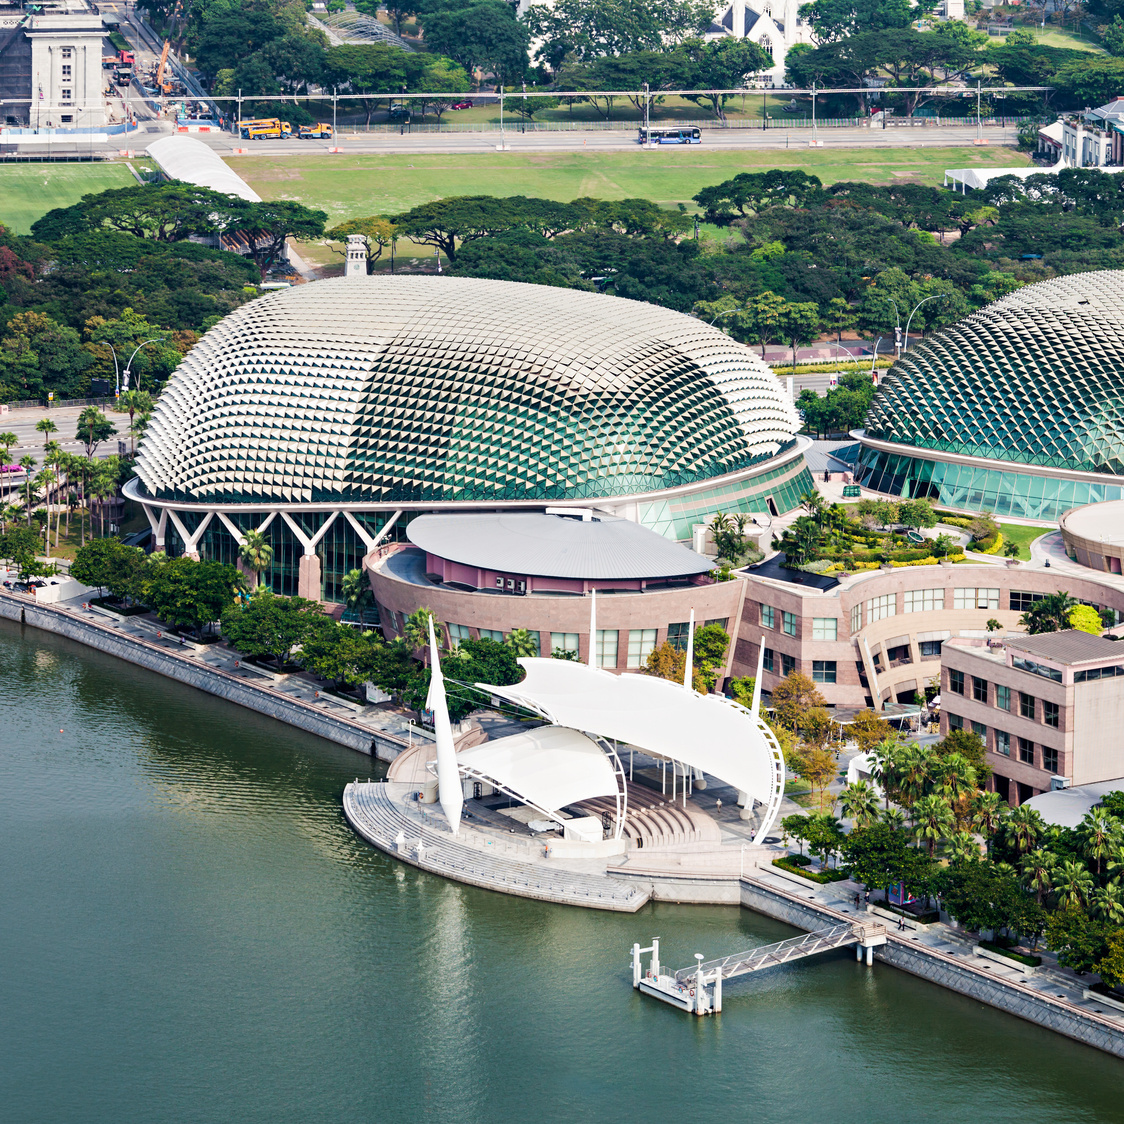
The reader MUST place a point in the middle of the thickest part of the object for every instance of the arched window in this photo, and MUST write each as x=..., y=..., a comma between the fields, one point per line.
x=765, y=43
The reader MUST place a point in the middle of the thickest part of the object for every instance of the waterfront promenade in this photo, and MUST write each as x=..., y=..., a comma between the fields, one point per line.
x=734, y=872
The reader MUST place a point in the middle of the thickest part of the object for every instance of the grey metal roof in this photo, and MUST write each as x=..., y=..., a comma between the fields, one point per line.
x=1071, y=646
x=554, y=546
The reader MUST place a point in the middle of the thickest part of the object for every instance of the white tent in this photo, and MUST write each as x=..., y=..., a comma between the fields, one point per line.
x=705, y=732
x=190, y=160
x=548, y=768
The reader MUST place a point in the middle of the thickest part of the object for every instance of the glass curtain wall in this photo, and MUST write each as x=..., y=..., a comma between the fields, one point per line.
x=973, y=488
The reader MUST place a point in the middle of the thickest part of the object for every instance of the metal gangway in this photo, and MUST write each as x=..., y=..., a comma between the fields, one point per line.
x=698, y=989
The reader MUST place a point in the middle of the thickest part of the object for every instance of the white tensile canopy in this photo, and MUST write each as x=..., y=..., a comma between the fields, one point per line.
x=549, y=768
x=705, y=732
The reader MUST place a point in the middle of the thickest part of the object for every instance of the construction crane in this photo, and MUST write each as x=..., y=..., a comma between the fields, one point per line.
x=163, y=62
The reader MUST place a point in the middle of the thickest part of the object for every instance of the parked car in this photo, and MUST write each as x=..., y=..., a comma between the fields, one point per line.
x=466, y=104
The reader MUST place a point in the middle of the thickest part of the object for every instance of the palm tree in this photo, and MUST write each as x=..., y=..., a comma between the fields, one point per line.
x=27, y=464
x=1073, y=883
x=988, y=815
x=44, y=481
x=255, y=553
x=885, y=761
x=894, y=818
x=955, y=779
x=1025, y=828
x=415, y=632
x=1100, y=836
x=914, y=764
x=860, y=803
x=1050, y=614
x=1108, y=904
x=1038, y=872
x=963, y=847
x=357, y=594
x=46, y=427
x=933, y=820
x=102, y=486
x=135, y=402
x=521, y=641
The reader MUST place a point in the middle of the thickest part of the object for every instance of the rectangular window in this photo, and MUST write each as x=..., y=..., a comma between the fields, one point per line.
x=980, y=729
x=768, y=664
x=898, y=655
x=607, y=647
x=788, y=664
x=564, y=642
x=1003, y=743
x=955, y=722
x=856, y=617
x=979, y=689
x=1050, y=713
x=641, y=644
x=973, y=598
x=1098, y=673
x=924, y=600
x=878, y=608
x=67, y=52
x=1003, y=697
x=677, y=635
x=65, y=95
x=788, y=623
x=768, y=617
x=722, y=622
x=1026, y=705
x=1049, y=760
x=956, y=681
x=825, y=628
x=1026, y=751
x=929, y=649
x=491, y=634
x=1021, y=600
x=823, y=671
x=457, y=633
x=1035, y=668
x=66, y=71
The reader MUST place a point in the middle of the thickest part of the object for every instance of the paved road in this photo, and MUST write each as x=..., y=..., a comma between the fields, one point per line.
x=22, y=424
x=606, y=141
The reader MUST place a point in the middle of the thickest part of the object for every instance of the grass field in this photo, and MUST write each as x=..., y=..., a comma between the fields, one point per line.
x=1024, y=536
x=29, y=191
x=350, y=186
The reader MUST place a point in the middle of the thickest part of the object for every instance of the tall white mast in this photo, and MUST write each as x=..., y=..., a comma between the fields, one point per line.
x=689, y=666
x=593, y=628
x=448, y=775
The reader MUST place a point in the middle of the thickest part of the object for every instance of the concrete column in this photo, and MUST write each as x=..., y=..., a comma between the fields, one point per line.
x=308, y=577
x=869, y=955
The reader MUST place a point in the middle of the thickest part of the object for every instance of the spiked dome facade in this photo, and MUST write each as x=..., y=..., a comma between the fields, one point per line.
x=1018, y=408
x=360, y=397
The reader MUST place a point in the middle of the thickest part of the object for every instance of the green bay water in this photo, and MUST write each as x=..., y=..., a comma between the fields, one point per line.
x=189, y=931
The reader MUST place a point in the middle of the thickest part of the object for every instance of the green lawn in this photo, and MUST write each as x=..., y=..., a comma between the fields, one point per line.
x=349, y=186
x=1061, y=37
x=29, y=191
x=1024, y=536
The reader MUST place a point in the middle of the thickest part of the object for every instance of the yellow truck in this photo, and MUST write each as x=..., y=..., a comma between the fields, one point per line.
x=265, y=129
x=316, y=132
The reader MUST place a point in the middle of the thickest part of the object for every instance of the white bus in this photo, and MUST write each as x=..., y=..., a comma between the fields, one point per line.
x=672, y=135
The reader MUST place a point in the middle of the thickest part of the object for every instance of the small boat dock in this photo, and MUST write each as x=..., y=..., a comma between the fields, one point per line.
x=698, y=989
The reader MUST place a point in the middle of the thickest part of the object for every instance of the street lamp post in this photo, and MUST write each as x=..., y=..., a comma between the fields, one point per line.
x=935, y=296
x=727, y=313
x=122, y=377
x=897, y=327
x=874, y=358
x=647, y=138
x=979, y=135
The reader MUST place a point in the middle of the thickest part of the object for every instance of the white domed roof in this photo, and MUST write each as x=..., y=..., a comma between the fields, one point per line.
x=408, y=389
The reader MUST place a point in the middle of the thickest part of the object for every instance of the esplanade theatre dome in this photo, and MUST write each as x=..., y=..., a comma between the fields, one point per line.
x=1018, y=408
x=372, y=395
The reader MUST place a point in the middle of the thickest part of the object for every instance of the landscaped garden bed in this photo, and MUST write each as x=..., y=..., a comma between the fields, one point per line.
x=115, y=605
x=792, y=865
x=1011, y=954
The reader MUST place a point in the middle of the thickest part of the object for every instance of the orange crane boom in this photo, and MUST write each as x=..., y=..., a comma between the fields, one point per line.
x=163, y=63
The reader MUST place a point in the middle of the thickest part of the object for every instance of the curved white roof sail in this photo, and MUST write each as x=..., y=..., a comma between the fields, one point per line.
x=707, y=732
x=549, y=768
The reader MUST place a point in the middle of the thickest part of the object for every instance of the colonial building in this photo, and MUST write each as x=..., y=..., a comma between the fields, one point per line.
x=51, y=75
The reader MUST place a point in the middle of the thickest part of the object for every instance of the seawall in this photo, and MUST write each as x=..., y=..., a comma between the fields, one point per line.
x=938, y=967
x=214, y=681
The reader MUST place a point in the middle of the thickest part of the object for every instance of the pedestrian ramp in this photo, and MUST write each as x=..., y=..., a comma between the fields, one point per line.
x=698, y=988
